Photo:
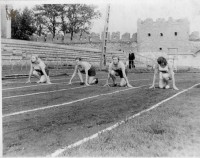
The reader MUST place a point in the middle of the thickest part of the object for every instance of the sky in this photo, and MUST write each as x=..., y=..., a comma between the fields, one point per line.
x=125, y=13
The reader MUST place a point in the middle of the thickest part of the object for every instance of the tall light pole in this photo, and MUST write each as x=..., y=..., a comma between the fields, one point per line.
x=105, y=39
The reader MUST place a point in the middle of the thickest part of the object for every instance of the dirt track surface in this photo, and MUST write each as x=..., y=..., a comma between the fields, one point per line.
x=41, y=132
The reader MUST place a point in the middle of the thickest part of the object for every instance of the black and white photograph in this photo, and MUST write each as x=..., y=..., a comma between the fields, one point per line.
x=105, y=78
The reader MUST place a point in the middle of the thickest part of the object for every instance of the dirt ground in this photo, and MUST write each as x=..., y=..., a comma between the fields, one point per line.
x=41, y=132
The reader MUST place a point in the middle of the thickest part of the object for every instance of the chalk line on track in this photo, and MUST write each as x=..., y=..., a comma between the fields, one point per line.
x=80, y=142
x=41, y=93
x=35, y=81
x=33, y=77
x=32, y=86
x=57, y=90
x=68, y=103
x=38, y=85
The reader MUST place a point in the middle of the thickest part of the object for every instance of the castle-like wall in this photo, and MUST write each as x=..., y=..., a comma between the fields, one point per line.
x=161, y=35
x=134, y=37
x=126, y=37
x=85, y=38
x=115, y=37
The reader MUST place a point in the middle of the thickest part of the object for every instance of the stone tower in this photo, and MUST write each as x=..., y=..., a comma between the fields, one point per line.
x=171, y=36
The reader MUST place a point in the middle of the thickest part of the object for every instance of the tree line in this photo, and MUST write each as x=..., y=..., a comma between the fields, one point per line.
x=53, y=18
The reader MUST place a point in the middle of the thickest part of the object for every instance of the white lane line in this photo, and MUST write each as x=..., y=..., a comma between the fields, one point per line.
x=38, y=85
x=68, y=103
x=41, y=92
x=15, y=96
x=80, y=142
x=31, y=86
x=27, y=77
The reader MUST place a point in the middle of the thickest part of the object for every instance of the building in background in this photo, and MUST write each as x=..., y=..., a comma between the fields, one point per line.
x=171, y=36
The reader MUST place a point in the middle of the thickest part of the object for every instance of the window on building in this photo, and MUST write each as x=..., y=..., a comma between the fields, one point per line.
x=149, y=34
x=175, y=33
x=161, y=34
x=160, y=48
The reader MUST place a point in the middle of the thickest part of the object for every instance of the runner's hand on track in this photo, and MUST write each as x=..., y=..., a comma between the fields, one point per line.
x=128, y=85
x=28, y=81
x=106, y=85
x=38, y=82
x=175, y=88
x=87, y=84
x=48, y=81
x=152, y=87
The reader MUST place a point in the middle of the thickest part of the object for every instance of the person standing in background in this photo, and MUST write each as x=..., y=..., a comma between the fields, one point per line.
x=131, y=60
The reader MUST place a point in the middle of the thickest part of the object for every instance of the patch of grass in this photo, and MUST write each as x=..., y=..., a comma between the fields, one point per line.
x=169, y=130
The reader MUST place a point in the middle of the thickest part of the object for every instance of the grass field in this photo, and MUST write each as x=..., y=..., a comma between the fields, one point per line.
x=39, y=119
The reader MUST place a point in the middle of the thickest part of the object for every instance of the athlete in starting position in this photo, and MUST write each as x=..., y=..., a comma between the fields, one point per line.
x=117, y=68
x=39, y=70
x=87, y=69
x=166, y=73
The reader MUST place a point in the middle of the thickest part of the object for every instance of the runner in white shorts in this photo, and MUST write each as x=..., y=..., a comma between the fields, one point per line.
x=83, y=67
x=166, y=73
x=39, y=70
x=117, y=68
